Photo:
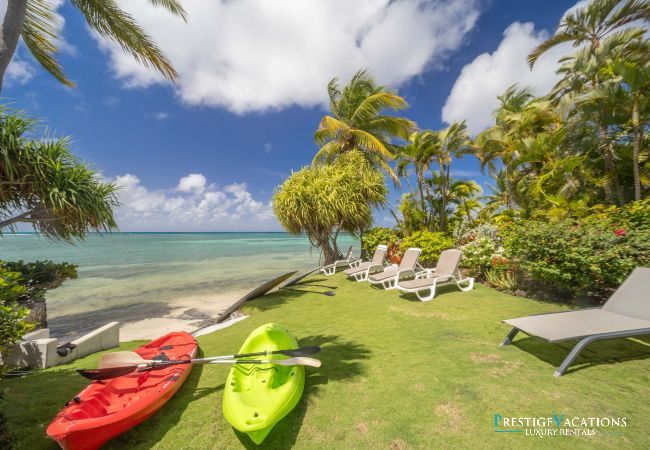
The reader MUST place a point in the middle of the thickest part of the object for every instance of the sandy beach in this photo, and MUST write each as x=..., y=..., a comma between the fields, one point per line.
x=186, y=314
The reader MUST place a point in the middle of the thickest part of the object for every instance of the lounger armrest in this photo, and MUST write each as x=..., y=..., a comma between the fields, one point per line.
x=426, y=273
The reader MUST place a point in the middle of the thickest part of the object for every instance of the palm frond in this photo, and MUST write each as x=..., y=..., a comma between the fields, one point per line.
x=112, y=23
x=173, y=6
x=548, y=44
x=40, y=34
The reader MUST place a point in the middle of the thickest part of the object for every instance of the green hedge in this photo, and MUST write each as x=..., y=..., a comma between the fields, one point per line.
x=379, y=236
x=432, y=244
x=593, y=255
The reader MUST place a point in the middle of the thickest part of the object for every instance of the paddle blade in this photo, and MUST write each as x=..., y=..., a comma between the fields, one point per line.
x=303, y=351
x=299, y=361
x=106, y=374
x=120, y=359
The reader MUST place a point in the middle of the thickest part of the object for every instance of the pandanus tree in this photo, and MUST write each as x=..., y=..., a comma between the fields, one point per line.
x=45, y=186
x=326, y=200
x=597, y=29
x=357, y=121
x=36, y=22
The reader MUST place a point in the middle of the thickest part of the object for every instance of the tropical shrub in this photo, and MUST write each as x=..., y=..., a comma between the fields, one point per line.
x=593, y=255
x=477, y=255
x=41, y=276
x=506, y=280
x=379, y=236
x=431, y=243
x=13, y=323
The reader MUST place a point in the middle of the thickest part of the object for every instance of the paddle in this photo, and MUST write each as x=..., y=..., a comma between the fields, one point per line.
x=116, y=364
x=114, y=372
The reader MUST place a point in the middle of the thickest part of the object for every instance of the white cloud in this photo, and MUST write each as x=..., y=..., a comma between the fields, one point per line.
x=190, y=207
x=268, y=147
x=20, y=71
x=474, y=94
x=194, y=182
x=160, y=115
x=254, y=55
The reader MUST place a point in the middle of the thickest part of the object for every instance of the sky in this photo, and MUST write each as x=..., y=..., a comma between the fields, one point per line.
x=206, y=153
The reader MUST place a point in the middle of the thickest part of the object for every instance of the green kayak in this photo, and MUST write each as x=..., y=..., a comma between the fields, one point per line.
x=257, y=396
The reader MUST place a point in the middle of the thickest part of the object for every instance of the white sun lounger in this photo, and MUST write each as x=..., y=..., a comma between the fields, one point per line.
x=349, y=260
x=447, y=270
x=390, y=275
x=625, y=314
x=376, y=264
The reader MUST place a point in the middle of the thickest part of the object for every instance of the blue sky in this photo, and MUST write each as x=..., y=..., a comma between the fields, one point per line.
x=206, y=154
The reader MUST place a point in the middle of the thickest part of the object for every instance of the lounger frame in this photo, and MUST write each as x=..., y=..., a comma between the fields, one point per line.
x=350, y=261
x=436, y=281
x=582, y=343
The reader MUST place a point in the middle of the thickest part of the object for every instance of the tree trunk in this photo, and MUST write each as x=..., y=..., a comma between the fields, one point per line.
x=510, y=201
x=614, y=196
x=444, y=196
x=636, y=150
x=12, y=26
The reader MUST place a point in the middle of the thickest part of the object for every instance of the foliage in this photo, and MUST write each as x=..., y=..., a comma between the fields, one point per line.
x=357, y=122
x=325, y=200
x=41, y=33
x=596, y=253
x=431, y=243
x=48, y=187
x=379, y=236
x=506, y=280
x=477, y=254
x=412, y=217
x=41, y=276
x=12, y=315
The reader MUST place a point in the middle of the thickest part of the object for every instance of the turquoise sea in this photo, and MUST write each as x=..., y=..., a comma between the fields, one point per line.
x=131, y=276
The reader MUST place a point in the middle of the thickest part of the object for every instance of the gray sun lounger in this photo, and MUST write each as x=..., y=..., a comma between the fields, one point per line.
x=390, y=275
x=447, y=270
x=349, y=260
x=625, y=314
x=376, y=264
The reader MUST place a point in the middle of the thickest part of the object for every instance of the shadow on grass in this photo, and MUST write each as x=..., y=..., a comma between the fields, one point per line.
x=440, y=290
x=341, y=361
x=598, y=353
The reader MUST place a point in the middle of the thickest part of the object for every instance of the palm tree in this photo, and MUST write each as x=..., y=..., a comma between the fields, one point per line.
x=604, y=26
x=35, y=21
x=463, y=194
x=636, y=77
x=592, y=23
x=451, y=142
x=497, y=200
x=356, y=122
x=419, y=152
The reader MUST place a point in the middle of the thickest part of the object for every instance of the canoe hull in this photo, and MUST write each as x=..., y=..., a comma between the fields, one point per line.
x=108, y=408
x=257, y=397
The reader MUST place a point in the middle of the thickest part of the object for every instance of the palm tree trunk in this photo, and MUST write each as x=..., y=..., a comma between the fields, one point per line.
x=445, y=194
x=636, y=150
x=510, y=201
x=12, y=26
x=614, y=196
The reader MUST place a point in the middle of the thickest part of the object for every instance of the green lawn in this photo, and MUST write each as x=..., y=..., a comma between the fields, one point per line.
x=396, y=374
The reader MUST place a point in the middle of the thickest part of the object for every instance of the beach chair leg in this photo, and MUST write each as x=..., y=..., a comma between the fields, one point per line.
x=571, y=357
x=390, y=284
x=510, y=337
x=469, y=281
x=426, y=298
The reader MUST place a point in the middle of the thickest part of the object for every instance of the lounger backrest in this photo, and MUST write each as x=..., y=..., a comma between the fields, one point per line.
x=410, y=258
x=379, y=255
x=632, y=298
x=448, y=261
x=350, y=251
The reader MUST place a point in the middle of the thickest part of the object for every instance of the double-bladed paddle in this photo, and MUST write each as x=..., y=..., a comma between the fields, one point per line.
x=117, y=364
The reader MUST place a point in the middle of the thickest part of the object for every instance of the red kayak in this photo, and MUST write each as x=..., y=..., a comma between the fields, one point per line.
x=106, y=409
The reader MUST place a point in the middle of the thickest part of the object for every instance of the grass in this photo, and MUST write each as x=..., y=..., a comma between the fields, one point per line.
x=396, y=374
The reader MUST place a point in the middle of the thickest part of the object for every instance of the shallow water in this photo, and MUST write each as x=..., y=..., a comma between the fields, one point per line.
x=136, y=275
